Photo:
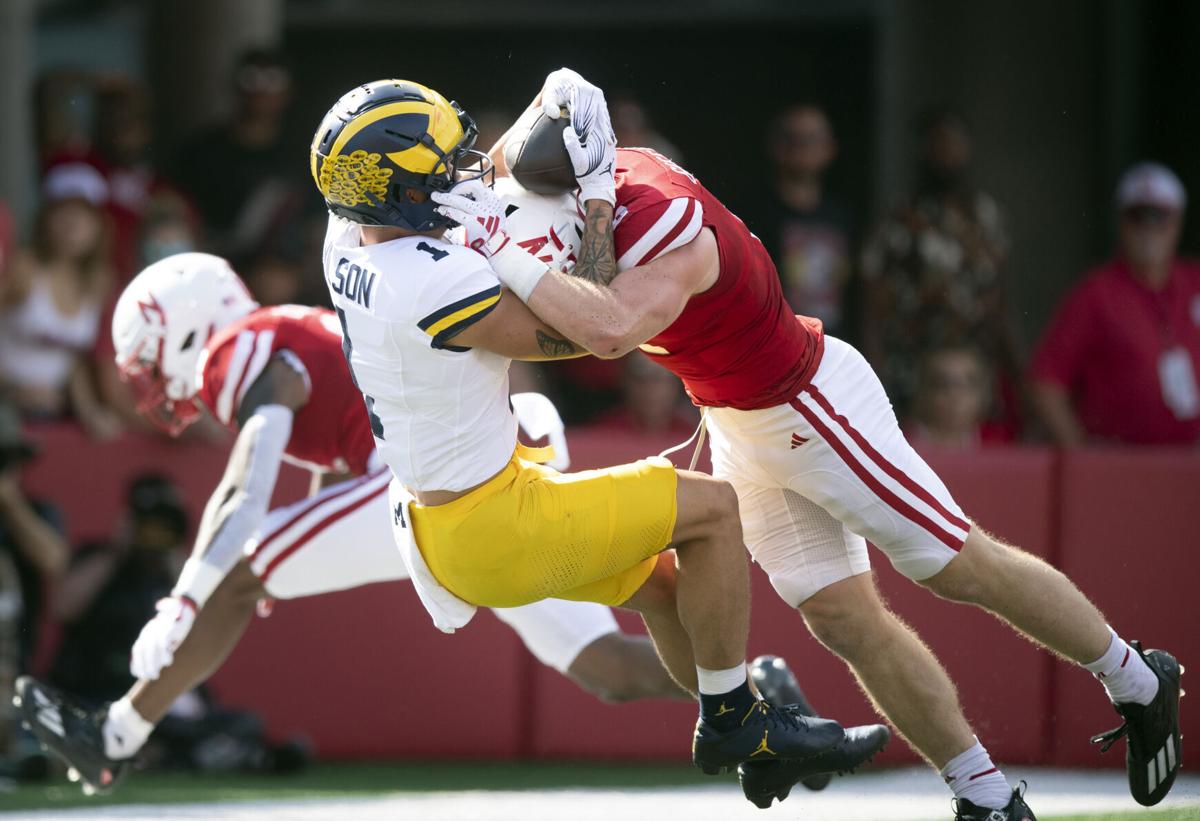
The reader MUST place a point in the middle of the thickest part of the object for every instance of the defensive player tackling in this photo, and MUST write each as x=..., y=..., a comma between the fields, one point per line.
x=429, y=334
x=802, y=428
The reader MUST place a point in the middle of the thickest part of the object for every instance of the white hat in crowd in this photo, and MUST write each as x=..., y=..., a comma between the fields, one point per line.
x=75, y=180
x=1149, y=183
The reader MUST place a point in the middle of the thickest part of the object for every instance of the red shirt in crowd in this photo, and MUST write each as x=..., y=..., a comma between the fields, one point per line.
x=1128, y=355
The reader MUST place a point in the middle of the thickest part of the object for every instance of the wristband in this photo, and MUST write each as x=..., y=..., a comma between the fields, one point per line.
x=518, y=269
x=197, y=581
x=598, y=190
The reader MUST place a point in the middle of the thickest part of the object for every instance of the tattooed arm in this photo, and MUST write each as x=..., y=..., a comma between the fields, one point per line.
x=610, y=315
x=513, y=331
x=597, y=254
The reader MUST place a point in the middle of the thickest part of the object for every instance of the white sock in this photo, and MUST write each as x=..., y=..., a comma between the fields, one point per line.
x=973, y=776
x=124, y=730
x=716, y=682
x=1124, y=675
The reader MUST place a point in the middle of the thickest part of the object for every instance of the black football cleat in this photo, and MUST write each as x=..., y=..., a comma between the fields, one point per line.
x=70, y=732
x=765, y=781
x=1017, y=809
x=778, y=685
x=1153, y=744
x=765, y=733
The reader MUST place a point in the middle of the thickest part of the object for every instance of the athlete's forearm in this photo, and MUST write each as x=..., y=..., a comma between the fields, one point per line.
x=597, y=253
x=582, y=305
x=239, y=504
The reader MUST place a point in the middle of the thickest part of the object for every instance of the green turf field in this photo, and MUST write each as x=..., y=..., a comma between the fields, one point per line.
x=366, y=779
x=329, y=780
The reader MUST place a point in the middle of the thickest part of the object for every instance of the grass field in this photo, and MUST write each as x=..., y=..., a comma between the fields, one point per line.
x=530, y=791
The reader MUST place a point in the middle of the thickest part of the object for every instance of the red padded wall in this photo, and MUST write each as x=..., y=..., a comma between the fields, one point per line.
x=364, y=673
x=1129, y=540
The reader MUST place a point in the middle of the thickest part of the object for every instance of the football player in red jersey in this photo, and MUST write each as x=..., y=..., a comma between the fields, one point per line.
x=802, y=428
x=187, y=332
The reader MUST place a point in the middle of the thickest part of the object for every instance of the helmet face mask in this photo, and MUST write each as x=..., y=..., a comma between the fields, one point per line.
x=161, y=325
x=151, y=391
x=381, y=140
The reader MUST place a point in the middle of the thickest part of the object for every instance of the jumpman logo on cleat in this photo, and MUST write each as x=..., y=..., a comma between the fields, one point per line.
x=762, y=746
x=723, y=709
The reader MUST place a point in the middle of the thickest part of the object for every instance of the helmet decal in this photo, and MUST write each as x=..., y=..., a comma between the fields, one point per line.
x=151, y=308
x=354, y=179
x=381, y=140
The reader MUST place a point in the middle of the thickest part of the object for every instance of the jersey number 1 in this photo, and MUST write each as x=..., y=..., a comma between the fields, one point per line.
x=347, y=350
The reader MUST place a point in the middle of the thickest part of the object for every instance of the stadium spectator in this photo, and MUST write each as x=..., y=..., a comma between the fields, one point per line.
x=32, y=553
x=807, y=230
x=952, y=402
x=110, y=587
x=1120, y=359
x=275, y=279
x=242, y=174
x=654, y=401
x=62, y=101
x=103, y=601
x=51, y=301
x=933, y=273
x=167, y=228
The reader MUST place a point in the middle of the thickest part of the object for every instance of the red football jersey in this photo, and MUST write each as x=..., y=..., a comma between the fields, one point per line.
x=331, y=431
x=738, y=344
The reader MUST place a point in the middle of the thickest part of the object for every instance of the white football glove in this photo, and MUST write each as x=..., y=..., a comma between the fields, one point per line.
x=595, y=164
x=590, y=141
x=160, y=638
x=480, y=211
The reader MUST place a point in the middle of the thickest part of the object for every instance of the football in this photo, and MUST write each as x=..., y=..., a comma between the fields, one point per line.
x=538, y=160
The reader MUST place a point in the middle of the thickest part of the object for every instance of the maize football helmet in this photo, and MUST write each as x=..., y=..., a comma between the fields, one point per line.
x=163, y=320
x=384, y=138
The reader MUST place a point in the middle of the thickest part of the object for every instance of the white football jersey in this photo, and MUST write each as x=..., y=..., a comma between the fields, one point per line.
x=549, y=227
x=440, y=412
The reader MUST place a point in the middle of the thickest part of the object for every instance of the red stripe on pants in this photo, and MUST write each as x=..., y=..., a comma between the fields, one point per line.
x=308, y=508
x=316, y=529
x=887, y=467
x=891, y=499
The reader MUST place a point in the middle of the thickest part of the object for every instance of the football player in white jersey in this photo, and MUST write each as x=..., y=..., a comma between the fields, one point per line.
x=429, y=335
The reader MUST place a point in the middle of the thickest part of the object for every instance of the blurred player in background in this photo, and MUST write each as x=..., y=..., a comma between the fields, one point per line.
x=803, y=429
x=187, y=332
x=429, y=336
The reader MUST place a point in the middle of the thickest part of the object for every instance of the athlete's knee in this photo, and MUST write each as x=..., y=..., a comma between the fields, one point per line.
x=708, y=507
x=847, y=617
x=657, y=593
x=241, y=586
x=606, y=670
x=979, y=568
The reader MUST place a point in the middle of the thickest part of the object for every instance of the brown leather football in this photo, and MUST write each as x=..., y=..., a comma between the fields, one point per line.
x=538, y=160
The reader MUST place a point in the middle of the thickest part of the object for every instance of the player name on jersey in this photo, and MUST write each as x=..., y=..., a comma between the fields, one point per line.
x=353, y=281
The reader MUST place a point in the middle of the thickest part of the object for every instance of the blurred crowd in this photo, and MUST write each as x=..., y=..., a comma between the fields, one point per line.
x=923, y=290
